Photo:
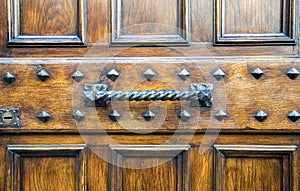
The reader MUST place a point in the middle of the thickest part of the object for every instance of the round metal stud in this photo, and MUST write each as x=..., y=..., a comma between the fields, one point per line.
x=9, y=77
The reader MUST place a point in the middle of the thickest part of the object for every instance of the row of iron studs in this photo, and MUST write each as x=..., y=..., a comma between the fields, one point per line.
x=149, y=74
x=42, y=74
x=184, y=74
x=184, y=116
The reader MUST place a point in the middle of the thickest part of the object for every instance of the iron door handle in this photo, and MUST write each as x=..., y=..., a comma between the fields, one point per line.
x=99, y=95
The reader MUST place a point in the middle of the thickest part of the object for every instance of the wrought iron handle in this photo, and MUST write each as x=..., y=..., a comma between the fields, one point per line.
x=98, y=95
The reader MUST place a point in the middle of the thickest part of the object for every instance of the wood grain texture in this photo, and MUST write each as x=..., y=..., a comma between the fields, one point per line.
x=41, y=23
x=98, y=22
x=238, y=153
x=3, y=168
x=254, y=167
x=146, y=167
x=46, y=167
x=201, y=21
x=98, y=173
x=49, y=18
x=250, y=22
x=56, y=173
x=194, y=50
x=240, y=95
x=3, y=28
x=149, y=23
x=202, y=26
x=252, y=17
x=149, y=17
x=201, y=167
x=201, y=160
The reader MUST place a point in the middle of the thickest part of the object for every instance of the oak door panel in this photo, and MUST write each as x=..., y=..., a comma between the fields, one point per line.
x=254, y=167
x=249, y=22
x=149, y=22
x=46, y=167
x=46, y=22
x=145, y=167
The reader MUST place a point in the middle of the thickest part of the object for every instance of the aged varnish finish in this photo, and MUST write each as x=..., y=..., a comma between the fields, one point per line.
x=173, y=95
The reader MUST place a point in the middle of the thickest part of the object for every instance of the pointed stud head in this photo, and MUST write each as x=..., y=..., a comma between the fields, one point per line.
x=149, y=74
x=184, y=116
x=261, y=116
x=78, y=115
x=219, y=74
x=220, y=115
x=257, y=73
x=78, y=76
x=9, y=77
x=114, y=115
x=294, y=116
x=184, y=74
x=293, y=73
x=44, y=116
x=43, y=75
x=149, y=115
x=205, y=95
x=113, y=74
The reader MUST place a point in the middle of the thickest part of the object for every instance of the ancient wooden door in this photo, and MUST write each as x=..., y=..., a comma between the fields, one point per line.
x=132, y=95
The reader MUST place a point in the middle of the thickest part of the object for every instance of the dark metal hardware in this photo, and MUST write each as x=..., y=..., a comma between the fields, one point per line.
x=114, y=115
x=149, y=115
x=78, y=76
x=219, y=74
x=44, y=116
x=149, y=74
x=9, y=77
x=220, y=115
x=9, y=117
x=184, y=74
x=184, y=116
x=78, y=115
x=200, y=95
x=294, y=116
x=293, y=73
x=43, y=74
x=261, y=116
x=113, y=74
x=257, y=73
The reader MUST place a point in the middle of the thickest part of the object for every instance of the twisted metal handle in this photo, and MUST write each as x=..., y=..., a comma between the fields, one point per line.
x=99, y=95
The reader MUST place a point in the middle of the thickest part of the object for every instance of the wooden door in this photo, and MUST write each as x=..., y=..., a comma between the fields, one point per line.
x=132, y=95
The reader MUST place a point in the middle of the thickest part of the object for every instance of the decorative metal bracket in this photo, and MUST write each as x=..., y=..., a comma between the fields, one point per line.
x=99, y=95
